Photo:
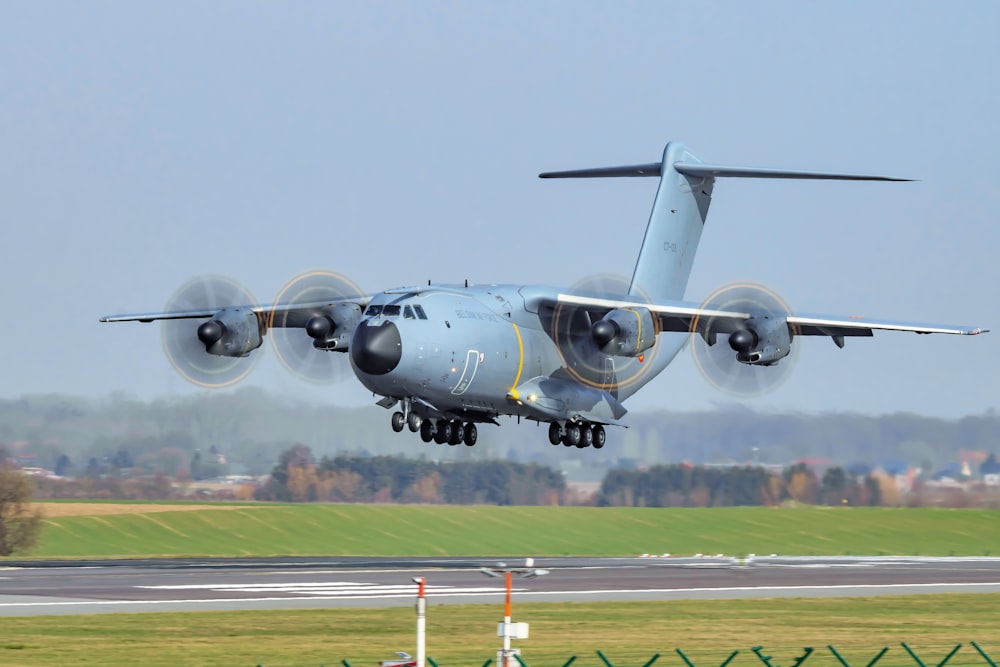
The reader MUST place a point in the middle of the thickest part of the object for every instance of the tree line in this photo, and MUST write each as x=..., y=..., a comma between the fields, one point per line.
x=297, y=477
x=699, y=486
x=120, y=436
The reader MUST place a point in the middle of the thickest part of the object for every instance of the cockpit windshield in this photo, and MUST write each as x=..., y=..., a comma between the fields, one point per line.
x=395, y=310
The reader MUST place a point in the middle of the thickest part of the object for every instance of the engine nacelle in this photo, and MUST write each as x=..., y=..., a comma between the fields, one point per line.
x=233, y=332
x=764, y=341
x=332, y=329
x=624, y=332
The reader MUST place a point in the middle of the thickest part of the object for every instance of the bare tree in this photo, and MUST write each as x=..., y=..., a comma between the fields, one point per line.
x=19, y=523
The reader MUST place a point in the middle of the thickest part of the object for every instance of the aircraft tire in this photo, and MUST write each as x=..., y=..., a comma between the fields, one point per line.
x=586, y=437
x=427, y=430
x=442, y=432
x=398, y=421
x=555, y=433
x=600, y=437
x=572, y=437
x=457, y=433
x=471, y=434
x=414, y=422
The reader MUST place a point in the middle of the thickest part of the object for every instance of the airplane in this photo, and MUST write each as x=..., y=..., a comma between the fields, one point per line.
x=449, y=357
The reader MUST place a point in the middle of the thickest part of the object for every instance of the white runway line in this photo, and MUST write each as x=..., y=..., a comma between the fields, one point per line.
x=331, y=589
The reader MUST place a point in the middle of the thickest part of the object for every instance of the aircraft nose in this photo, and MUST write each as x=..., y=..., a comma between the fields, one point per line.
x=376, y=348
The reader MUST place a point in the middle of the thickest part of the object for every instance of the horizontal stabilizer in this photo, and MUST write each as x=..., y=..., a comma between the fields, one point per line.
x=698, y=170
x=720, y=171
x=651, y=169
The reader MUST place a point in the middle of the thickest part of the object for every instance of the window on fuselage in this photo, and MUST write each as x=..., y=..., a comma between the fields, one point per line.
x=419, y=310
x=391, y=310
x=373, y=311
x=408, y=313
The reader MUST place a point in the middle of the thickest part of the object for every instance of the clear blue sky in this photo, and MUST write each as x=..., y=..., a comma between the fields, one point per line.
x=142, y=144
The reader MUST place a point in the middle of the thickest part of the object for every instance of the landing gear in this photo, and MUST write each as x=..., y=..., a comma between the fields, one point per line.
x=577, y=434
x=442, y=431
x=599, y=436
x=457, y=433
x=427, y=430
x=398, y=421
x=414, y=422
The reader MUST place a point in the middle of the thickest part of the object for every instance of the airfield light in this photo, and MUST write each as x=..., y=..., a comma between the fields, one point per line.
x=509, y=630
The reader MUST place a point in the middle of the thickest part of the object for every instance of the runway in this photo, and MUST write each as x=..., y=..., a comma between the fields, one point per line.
x=46, y=588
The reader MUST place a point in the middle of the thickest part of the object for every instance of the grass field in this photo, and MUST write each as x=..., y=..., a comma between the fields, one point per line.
x=629, y=634
x=109, y=530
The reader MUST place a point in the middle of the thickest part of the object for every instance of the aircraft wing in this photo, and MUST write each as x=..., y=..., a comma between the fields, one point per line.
x=685, y=317
x=292, y=315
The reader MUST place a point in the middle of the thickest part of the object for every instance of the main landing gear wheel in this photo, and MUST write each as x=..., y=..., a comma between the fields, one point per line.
x=572, y=437
x=442, y=431
x=586, y=437
x=398, y=421
x=471, y=434
x=599, y=436
x=426, y=430
x=555, y=433
x=457, y=433
x=414, y=422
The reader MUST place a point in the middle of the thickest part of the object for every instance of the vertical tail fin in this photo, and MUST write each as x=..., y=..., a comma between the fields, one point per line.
x=675, y=224
x=679, y=212
x=674, y=229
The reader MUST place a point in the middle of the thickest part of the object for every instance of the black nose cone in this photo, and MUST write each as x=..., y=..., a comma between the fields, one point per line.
x=376, y=348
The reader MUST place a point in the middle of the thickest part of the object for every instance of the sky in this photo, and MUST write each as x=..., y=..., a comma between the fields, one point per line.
x=144, y=144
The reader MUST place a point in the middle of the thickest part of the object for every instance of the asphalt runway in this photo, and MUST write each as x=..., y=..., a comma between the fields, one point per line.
x=32, y=589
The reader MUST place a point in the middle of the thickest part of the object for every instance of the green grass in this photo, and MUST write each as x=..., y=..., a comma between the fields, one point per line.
x=485, y=530
x=628, y=633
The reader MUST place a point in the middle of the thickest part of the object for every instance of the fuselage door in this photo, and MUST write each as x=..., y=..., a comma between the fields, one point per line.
x=469, y=373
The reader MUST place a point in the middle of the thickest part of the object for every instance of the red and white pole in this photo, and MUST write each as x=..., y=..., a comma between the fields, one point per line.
x=506, y=623
x=421, y=621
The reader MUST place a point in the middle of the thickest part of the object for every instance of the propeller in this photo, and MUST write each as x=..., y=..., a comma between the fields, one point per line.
x=185, y=340
x=580, y=334
x=718, y=362
x=298, y=336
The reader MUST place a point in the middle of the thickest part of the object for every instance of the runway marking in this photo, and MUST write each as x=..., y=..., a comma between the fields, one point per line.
x=330, y=589
x=473, y=593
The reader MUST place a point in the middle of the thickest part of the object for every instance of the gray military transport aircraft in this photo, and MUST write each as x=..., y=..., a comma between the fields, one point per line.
x=452, y=356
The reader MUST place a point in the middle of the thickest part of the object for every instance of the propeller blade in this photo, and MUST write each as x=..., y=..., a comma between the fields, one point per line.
x=717, y=360
x=293, y=334
x=580, y=334
x=184, y=341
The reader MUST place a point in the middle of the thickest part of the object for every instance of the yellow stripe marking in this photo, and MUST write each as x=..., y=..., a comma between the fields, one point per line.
x=520, y=363
x=638, y=320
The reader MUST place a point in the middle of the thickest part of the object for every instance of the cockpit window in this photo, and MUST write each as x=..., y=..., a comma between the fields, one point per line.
x=420, y=312
x=373, y=311
x=391, y=310
x=408, y=313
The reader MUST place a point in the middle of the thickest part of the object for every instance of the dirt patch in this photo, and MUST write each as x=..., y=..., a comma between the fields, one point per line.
x=54, y=510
